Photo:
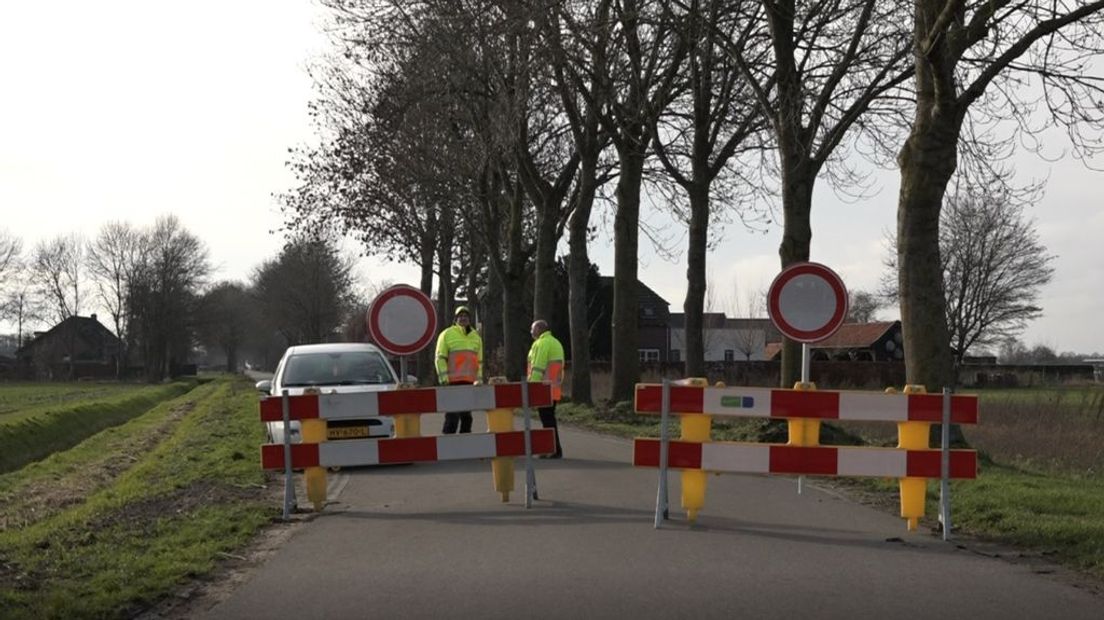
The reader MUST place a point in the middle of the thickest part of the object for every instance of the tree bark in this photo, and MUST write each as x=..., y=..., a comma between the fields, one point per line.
x=694, y=305
x=515, y=332
x=578, y=266
x=798, y=177
x=625, y=364
x=927, y=162
x=427, y=374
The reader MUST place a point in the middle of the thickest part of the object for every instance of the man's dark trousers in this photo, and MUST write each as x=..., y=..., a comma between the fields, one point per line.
x=463, y=419
x=548, y=420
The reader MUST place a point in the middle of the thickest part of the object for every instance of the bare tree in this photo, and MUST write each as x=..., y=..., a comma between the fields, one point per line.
x=306, y=291
x=227, y=317
x=993, y=264
x=56, y=269
x=20, y=303
x=830, y=79
x=714, y=118
x=975, y=58
x=750, y=306
x=113, y=257
x=162, y=295
x=862, y=306
x=579, y=39
x=17, y=301
x=647, y=52
x=11, y=247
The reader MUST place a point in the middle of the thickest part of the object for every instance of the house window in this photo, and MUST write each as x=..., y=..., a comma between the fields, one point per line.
x=676, y=355
x=730, y=355
x=649, y=355
x=648, y=311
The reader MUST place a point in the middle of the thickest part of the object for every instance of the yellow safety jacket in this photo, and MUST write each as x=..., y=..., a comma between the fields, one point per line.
x=546, y=363
x=459, y=355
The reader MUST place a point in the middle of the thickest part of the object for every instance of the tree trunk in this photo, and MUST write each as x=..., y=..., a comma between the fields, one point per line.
x=927, y=162
x=427, y=374
x=798, y=176
x=544, y=267
x=515, y=332
x=231, y=359
x=444, y=263
x=625, y=354
x=493, y=342
x=578, y=266
x=694, y=305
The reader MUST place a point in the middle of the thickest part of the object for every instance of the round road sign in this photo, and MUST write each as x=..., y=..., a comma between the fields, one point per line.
x=807, y=302
x=401, y=320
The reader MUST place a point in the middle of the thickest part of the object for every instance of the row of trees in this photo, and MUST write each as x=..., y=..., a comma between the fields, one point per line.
x=470, y=137
x=154, y=286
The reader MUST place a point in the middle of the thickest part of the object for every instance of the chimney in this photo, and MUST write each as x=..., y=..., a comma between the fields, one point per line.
x=93, y=317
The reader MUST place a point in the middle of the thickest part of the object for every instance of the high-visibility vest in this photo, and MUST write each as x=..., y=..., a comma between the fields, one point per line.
x=459, y=355
x=546, y=363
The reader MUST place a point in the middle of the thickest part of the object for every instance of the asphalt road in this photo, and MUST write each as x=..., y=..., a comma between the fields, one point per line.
x=434, y=540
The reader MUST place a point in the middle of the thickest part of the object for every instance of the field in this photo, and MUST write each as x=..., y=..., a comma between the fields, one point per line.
x=16, y=397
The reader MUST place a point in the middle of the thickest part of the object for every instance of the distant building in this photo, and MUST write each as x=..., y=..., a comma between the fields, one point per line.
x=653, y=314
x=78, y=345
x=880, y=341
x=1098, y=368
x=724, y=339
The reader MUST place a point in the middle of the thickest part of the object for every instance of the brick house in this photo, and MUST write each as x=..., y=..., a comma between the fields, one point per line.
x=77, y=347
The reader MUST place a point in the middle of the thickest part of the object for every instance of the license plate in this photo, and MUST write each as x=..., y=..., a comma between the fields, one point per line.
x=348, y=432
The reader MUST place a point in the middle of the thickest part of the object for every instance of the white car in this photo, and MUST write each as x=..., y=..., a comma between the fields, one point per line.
x=338, y=368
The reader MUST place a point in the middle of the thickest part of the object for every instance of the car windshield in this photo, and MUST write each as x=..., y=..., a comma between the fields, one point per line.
x=344, y=368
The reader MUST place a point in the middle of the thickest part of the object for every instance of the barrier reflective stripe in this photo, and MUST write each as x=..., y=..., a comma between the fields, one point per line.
x=398, y=402
x=753, y=458
x=810, y=404
x=353, y=452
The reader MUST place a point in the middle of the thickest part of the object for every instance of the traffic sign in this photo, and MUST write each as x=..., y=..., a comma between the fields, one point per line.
x=401, y=320
x=807, y=302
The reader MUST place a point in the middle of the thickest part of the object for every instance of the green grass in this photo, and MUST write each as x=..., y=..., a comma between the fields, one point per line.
x=16, y=397
x=36, y=432
x=148, y=528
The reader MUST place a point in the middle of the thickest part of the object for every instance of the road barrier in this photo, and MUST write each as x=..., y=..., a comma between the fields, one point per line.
x=912, y=462
x=315, y=454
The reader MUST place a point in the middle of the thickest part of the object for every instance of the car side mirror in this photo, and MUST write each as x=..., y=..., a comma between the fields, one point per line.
x=412, y=379
x=264, y=387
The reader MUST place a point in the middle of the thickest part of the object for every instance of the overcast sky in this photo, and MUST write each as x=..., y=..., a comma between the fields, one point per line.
x=126, y=110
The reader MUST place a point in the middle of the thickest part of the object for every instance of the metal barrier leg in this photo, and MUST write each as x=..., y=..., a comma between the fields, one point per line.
x=661, y=513
x=289, y=481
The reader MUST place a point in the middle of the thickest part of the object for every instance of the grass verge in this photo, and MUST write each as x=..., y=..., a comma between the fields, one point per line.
x=1058, y=513
x=38, y=432
x=192, y=493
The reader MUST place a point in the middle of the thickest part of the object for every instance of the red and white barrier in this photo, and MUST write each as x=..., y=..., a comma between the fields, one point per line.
x=815, y=404
x=405, y=401
x=355, y=452
x=751, y=458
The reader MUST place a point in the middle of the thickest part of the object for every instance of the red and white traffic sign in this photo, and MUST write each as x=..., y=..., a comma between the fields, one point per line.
x=401, y=320
x=807, y=302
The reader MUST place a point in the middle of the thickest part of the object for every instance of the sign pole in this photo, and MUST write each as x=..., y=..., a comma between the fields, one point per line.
x=806, y=361
x=945, y=467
